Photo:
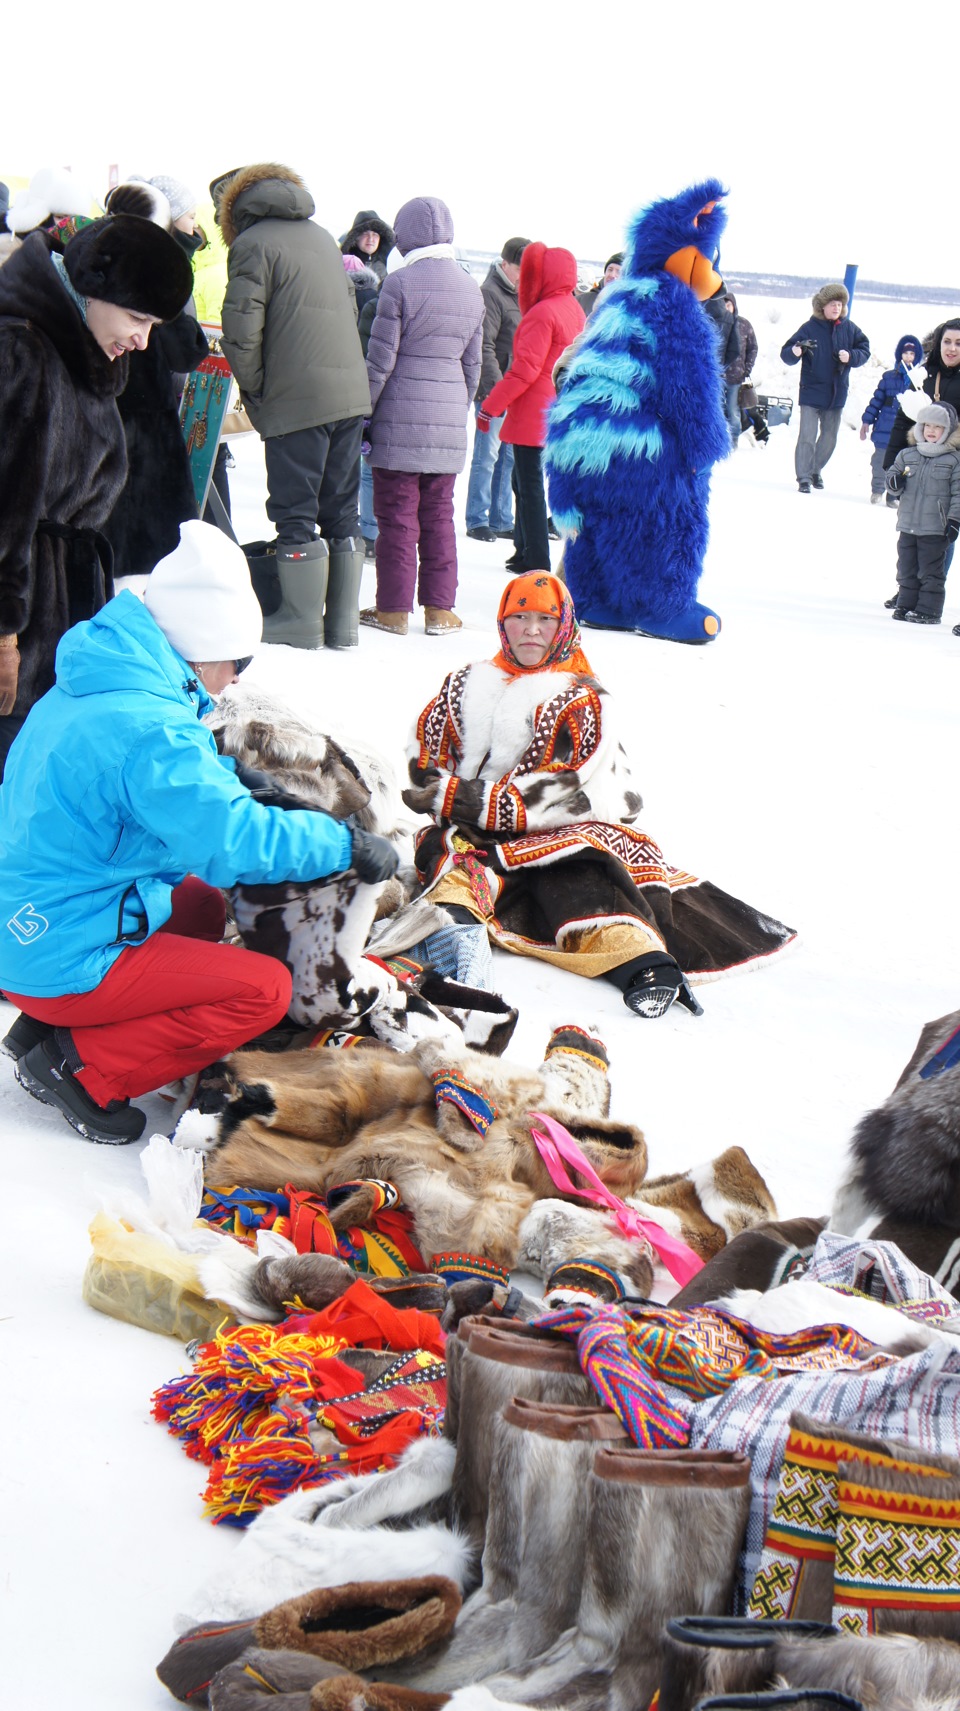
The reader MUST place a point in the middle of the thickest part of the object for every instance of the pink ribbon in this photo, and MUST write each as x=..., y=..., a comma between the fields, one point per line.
x=558, y=1144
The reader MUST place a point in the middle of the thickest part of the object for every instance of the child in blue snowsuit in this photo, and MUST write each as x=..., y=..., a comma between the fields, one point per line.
x=880, y=413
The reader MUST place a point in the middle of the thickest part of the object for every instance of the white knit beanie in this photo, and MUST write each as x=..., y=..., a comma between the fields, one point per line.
x=202, y=598
x=181, y=198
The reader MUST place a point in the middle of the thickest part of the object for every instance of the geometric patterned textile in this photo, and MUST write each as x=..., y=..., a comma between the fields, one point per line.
x=383, y=1247
x=915, y=1400
x=645, y=1363
x=803, y=1527
x=896, y=1552
x=880, y=1271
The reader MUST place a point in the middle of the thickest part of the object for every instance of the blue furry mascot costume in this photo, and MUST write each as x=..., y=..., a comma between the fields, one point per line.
x=639, y=424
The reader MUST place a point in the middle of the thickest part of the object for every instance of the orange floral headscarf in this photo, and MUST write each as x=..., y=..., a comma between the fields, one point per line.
x=538, y=591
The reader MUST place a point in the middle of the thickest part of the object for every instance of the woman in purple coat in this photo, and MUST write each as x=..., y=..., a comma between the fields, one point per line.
x=423, y=363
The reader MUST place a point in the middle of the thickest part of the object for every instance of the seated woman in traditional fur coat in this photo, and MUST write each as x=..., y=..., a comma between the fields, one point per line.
x=519, y=764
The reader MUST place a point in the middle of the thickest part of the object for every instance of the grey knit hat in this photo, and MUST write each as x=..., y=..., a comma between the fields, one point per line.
x=181, y=198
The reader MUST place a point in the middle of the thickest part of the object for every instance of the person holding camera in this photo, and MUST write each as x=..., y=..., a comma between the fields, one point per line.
x=829, y=345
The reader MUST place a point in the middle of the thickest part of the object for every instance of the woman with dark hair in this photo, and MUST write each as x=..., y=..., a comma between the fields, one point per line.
x=940, y=381
x=67, y=324
x=158, y=494
x=518, y=762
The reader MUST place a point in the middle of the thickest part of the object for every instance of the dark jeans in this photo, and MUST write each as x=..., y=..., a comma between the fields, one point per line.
x=313, y=480
x=530, y=525
x=415, y=516
x=921, y=573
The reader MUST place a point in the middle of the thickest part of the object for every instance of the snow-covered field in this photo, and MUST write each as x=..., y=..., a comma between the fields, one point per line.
x=804, y=761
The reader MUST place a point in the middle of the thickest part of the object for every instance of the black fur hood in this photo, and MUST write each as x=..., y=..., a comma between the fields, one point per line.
x=30, y=291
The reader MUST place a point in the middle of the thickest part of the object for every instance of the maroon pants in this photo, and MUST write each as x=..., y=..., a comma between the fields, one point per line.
x=169, y=1006
x=414, y=510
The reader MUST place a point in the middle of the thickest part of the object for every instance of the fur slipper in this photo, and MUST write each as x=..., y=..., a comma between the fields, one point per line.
x=350, y=1693
x=258, y=1679
x=355, y=1626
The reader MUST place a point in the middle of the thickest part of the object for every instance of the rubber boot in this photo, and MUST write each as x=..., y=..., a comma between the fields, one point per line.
x=298, y=620
x=342, y=615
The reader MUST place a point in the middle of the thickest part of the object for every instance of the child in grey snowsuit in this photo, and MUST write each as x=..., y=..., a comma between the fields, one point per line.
x=926, y=475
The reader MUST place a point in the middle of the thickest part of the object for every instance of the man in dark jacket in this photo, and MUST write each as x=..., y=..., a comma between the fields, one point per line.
x=828, y=345
x=290, y=336
x=489, y=495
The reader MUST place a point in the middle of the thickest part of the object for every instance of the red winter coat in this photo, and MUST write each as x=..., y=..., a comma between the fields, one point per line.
x=550, y=320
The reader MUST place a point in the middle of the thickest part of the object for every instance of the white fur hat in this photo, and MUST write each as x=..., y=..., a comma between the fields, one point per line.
x=202, y=598
x=52, y=190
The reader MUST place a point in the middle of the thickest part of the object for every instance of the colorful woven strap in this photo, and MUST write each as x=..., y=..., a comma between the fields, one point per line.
x=453, y=1089
x=457, y=1268
x=569, y=1038
x=555, y=1143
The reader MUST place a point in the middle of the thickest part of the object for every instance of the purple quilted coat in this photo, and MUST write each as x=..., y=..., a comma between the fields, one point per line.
x=423, y=359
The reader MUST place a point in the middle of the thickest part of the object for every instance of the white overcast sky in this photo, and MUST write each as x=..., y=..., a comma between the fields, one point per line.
x=553, y=119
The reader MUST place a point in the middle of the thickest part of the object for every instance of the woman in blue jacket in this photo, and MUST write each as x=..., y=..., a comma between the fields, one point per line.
x=881, y=412
x=119, y=824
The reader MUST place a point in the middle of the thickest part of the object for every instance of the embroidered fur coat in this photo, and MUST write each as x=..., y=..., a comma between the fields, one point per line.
x=534, y=812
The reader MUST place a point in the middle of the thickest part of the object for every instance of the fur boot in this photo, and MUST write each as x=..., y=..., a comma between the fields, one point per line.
x=889, y=1672
x=357, y=1626
x=500, y=1363
x=796, y=1573
x=714, y=1654
x=536, y=1521
x=663, y=1534
x=258, y=1679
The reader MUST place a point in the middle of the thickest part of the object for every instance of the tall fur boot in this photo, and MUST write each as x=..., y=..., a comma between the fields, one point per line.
x=536, y=1521
x=664, y=1531
x=796, y=1572
x=341, y=618
x=500, y=1363
x=716, y=1654
x=356, y=1626
x=302, y=572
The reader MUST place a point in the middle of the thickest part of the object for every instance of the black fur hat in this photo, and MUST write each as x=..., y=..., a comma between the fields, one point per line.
x=130, y=262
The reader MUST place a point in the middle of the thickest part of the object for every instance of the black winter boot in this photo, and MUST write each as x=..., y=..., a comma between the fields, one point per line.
x=890, y=604
x=921, y=618
x=341, y=616
x=302, y=573
x=23, y=1034
x=652, y=989
x=804, y=486
x=46, y=1073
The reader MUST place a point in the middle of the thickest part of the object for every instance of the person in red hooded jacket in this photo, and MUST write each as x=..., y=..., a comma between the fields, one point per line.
x=550, y=319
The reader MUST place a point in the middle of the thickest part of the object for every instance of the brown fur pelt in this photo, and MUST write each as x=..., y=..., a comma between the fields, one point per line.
x=705, y=1207
x=262, y=731
x=755, y=1259
x=318, y=1119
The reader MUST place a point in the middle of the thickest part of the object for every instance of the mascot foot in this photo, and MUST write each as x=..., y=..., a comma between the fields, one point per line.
x=696, y=624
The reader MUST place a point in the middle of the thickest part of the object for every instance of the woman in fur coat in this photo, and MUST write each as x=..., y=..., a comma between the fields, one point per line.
x=518, y=762
x=158, y=494
x=67, y=323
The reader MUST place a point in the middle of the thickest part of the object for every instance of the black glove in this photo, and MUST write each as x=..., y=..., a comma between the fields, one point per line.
x=374, y=859
x=264, y=788
x=808, y=346
x=952, y=529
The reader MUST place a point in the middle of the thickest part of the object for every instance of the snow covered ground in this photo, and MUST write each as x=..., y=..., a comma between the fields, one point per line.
x=803, y=762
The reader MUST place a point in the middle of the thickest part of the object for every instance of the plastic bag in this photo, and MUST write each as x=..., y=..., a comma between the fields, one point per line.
x=145, y=1266
x=142, y=1279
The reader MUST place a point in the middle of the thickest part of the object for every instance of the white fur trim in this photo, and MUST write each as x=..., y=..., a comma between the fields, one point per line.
x=52, y=190
x=498, y=716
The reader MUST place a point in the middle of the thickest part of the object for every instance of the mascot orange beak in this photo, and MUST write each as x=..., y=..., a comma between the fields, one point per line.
x=692, y=266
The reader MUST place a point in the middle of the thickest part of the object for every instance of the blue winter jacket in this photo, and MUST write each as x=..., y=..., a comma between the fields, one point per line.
x=824, y=379
x=881, y=412
x=113, y=793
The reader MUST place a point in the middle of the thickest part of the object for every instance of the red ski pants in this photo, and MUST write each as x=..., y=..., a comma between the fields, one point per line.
x=169, y=1006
